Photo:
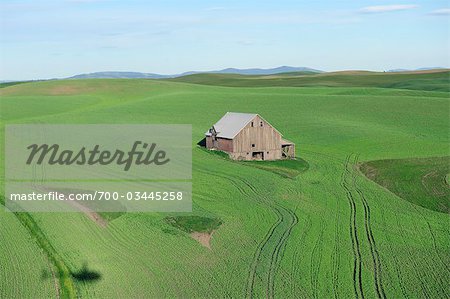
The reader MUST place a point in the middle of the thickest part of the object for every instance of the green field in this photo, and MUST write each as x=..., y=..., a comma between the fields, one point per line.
x=420, y=181
x=324, y=231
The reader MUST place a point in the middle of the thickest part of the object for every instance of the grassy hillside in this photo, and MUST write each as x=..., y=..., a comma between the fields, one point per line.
x=420, y=181
x=433, y=81
x=327, y=232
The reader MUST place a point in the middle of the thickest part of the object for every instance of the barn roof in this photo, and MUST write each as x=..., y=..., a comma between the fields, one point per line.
x=231, y=124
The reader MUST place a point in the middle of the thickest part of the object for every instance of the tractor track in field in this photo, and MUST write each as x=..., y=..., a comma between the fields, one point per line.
x=296, y=288
x=277, y=254
x=289, y=219
x=272, y=246
x=336, y=256
x=375, y=255
x=315, y=262
x=348, y=174
x=357, y=263
x=257, y=257
x=229, y=178
x=372, y=245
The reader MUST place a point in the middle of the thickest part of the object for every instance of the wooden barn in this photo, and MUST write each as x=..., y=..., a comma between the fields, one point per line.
x=246, y=136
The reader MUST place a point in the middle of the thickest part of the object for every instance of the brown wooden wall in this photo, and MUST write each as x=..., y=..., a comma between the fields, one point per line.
x=265, y=138
x=209, y=143
x=225, y=144
x=221, y=144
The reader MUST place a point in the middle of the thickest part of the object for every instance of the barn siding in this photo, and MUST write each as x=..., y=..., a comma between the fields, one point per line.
x=268, y=155
x=222, y=144
x=225, y=144
x=265, y=138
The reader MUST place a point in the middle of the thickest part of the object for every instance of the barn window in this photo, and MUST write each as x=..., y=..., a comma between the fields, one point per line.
x=261, y=123
x=267, y=152
x=253, y=145
x=252, y=124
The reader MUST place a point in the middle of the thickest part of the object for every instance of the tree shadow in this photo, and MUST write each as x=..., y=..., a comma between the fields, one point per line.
x=86, y=275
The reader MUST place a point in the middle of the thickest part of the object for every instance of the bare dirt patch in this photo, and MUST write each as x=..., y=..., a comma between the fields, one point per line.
x=68, y=90
x=61, y=89
x=203, y=238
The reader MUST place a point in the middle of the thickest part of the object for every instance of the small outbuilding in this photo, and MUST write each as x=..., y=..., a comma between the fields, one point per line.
x=247, y=136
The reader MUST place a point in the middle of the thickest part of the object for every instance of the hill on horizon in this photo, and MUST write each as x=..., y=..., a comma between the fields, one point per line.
x=432, y=80
x=139, y=75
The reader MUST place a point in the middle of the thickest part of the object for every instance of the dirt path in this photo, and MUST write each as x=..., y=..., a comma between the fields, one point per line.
x=94, y=216
x=54, y=278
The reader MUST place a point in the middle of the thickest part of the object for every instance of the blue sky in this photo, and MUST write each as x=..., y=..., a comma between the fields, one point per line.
x=47, y=39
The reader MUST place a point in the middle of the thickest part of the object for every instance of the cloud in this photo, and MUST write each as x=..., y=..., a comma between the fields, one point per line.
x=387, y=8
x=441, y=12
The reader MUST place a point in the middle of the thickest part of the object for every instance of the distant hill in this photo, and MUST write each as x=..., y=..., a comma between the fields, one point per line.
x=272, y=71
x=119, y=75
x=11, y=83
x=431, y=80
x=414, y=70
x=286, y=71
x=137, y=75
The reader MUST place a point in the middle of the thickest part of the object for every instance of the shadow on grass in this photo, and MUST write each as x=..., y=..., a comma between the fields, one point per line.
x=202, y=143
x=83, y=275
x=86, y=275
x=192, y=224
x=287, y=168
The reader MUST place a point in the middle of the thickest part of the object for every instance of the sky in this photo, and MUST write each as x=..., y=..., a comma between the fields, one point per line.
x=55, y=39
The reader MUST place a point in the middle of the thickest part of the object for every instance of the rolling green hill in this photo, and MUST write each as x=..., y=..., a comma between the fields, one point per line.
x=438, y=80
x=420, y=181
x=327, y=232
